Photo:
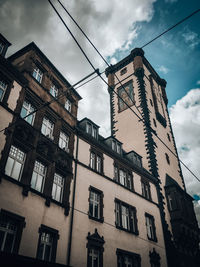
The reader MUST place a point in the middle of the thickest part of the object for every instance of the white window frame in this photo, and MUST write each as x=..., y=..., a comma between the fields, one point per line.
x=37, y=74
x=58, y=182
x=54, y=90
x=40, y=171
x=47, y=128
x=150, y=227
x=92, y=160
x=3, y=87
x=68, y=105
x=95, y=201
x=16, y=156
x=94, y=254
x=122, y=177
x=28, y=107
x=63, y=141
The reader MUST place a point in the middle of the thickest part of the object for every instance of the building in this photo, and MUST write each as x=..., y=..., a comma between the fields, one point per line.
x=69, y=196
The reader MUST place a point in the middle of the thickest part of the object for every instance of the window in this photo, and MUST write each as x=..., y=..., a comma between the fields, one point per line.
x=151, y=230
x=47, y=128
x=54, y=90
x=96, y=161
x=172, y=202
x=1, y=48
x=146, y=191
x=92, y=130
x=123, y=177
x=11, y=226
x=38, y=176
x=96, y=204
x=64, y=141
x=57, y=189
x=47, y=244
x=37, y=74
x=154, y=258
x=27, y=108
x=95, y=250
x=125, y=217
x=154, y=122
x=68, y=105
x=168, y=136
x=116, y=147
x=93, y=257
x=167, y=158
x=3, y=87
x=127, y=259
x=123, y=71
x=15, y=163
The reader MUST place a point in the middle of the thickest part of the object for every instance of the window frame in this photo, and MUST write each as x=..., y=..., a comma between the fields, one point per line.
x=100, y=194
x=46, y=127
x=95, y=242
x=28, y=112
x=41, y=174
x=46, y=229
x=135, y=258
x=57, y=185
x=14, y=162
x=151, y=230
x=68, y=105
x=20, y=223
x=53, y=90
x=94, y=156
x=132, y=226
x=128, y=178
x=66, y=147
x=146, y=189
x=37, y=74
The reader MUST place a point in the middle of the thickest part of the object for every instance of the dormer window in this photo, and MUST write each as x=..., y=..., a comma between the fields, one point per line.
x=37, y=74
x=54, y=90
x=68, y=105
x=135, y=158
x=92, y=130
x=116, y=146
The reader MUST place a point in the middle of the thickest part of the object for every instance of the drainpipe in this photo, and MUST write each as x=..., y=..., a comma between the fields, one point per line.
x=72, y=207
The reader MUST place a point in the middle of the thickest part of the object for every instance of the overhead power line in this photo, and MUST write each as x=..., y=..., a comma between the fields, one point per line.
x=56, y=98
x=172, y=27
x=140, y=119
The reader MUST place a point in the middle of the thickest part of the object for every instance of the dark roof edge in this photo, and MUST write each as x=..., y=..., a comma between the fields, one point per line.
x=5, y=40
x=32, y=45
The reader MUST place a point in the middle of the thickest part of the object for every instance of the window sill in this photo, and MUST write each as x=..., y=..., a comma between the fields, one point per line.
x=101, y=220
x=152, y=239
x=126, y=230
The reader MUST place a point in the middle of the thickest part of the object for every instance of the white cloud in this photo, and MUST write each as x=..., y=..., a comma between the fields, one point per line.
x=185, y=118
x=163, y=69
x=191, y=38
x=109, y=24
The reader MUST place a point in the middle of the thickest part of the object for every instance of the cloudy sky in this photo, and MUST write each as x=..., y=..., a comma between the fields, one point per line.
x=116, y=27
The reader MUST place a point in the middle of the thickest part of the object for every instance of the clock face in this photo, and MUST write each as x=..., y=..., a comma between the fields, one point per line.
x=126, y=93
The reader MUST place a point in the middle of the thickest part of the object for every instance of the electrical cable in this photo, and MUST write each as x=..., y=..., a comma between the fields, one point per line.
x=140, y=119
x=54, y=99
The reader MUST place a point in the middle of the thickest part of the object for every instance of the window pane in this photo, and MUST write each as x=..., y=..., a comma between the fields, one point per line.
x=33, y=180
x=39, y=183
x=9, y=166
x=16, y=170
x=58, y=193
x=40, y=251
x=9, y=242
x=47, y=254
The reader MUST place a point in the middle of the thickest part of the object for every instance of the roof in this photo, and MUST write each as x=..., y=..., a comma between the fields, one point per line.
x=33, y=46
